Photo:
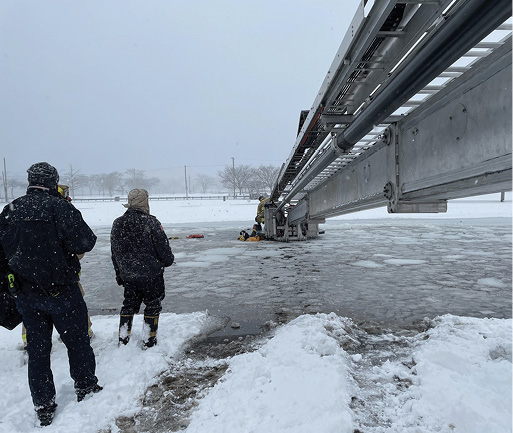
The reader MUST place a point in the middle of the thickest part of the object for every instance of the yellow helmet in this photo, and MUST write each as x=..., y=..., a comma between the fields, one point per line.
x=63, y=190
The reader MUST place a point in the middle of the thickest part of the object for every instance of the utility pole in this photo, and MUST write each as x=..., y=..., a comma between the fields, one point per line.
x=233, y=175
x=186, y=189
x=4, y=179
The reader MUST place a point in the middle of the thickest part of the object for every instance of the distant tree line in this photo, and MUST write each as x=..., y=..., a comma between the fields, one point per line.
x=105, y=184
x=237, y=179
x=109, y=184
x=244, y=179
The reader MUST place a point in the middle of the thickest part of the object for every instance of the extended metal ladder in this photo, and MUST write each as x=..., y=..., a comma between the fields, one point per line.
x=415, y=110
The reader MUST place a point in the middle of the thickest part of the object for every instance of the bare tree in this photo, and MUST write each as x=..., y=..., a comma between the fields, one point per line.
x=267, y=175
x=135, y=178
x=122, y=186
x=227, y=178
x=238, y=177
x=72, y=180
x=81, y=181
x=255, y=187
x=204, y=182
x=98, y=183
x=111, y=181
x=90, y=182
x=150, y=183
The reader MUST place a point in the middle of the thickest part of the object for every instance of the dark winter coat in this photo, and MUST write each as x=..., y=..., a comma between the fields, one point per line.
x=140, y=248
x=40, y=236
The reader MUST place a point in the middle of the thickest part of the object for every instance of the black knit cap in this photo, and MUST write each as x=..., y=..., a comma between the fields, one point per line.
x=43, y=174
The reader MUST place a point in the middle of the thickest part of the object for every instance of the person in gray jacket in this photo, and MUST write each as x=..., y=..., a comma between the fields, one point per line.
x=140, y=252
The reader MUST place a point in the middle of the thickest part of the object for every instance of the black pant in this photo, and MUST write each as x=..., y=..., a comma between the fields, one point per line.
x=151, y=293
x=68, y=313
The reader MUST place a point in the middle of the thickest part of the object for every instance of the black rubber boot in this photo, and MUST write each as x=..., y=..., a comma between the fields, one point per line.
x=45, y=414
x=83, y=392
x=152, y=322
x=125, y=327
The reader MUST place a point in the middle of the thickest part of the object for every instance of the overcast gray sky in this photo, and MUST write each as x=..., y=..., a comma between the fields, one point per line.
x=108, y=85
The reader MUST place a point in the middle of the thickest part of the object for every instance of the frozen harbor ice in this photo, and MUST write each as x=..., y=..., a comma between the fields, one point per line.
x=394, y=272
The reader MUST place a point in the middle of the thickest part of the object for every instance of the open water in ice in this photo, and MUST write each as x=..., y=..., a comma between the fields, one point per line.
x=392, y=272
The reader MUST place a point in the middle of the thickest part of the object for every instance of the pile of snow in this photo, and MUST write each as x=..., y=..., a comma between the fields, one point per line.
x=461, y=373
x=297, y=382
x=301, y=380
x=124, y=372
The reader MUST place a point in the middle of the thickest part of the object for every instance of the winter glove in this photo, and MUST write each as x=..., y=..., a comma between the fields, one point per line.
x=119, y=280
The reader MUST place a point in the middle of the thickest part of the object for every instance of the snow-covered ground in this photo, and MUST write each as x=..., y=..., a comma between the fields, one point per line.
x=214, y=211
x=322, y=371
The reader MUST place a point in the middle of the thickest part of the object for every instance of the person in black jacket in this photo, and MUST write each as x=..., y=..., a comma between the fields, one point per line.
x=140, y=252
x=40, y=237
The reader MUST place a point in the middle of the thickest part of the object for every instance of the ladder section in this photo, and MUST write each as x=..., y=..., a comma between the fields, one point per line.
x=396, y=67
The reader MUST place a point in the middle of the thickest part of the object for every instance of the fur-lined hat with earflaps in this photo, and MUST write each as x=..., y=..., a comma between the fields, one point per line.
x=138, y=198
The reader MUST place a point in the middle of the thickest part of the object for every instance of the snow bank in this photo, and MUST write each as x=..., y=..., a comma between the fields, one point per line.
x=462, y=377
x=124, y=372
x=297, y=382
x=457, y=379
x=457, y=376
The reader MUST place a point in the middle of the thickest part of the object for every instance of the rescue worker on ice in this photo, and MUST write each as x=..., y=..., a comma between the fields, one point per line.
x=140, y=252
x=260, y=209
x=41, y=236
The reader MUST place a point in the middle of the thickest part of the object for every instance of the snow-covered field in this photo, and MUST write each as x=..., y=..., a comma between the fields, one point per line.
x=213, y=211
x=319, y=372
